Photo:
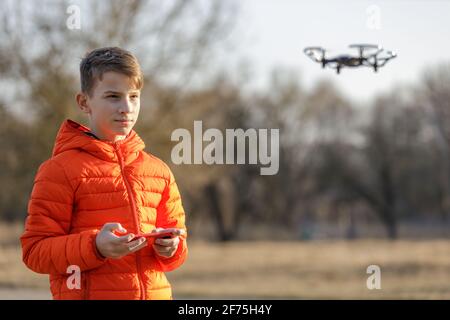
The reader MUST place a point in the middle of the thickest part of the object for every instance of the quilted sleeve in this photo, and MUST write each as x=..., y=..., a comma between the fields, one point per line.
x=170, y=214
x=47, y=246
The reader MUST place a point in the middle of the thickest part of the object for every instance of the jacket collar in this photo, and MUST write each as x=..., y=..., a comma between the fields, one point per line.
x=72, y=136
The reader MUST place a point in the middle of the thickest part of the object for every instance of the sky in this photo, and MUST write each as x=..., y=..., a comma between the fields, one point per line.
x=274, y=32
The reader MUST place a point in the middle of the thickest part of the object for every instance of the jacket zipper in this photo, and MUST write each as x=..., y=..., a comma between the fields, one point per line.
x=135, y=218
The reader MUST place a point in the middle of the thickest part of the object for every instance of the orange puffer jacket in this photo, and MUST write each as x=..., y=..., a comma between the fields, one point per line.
x=85, y=184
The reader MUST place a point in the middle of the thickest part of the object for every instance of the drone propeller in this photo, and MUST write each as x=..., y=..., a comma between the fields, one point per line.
x=385, y=59
x=317, y=54
x=365, y=45
x=377, y=61
x=362, y=47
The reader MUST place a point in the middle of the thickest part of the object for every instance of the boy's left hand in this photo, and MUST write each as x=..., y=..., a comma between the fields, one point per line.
x=166, y=247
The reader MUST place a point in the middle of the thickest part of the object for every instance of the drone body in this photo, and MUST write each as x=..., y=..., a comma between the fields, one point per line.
x=373, y=59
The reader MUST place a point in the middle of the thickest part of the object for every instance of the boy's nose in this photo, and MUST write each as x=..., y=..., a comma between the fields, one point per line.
x=126, y=107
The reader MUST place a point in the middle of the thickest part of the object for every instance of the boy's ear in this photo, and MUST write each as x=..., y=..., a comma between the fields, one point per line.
x=82, y=98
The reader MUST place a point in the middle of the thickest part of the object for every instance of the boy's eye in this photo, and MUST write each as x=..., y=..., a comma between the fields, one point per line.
x=134, y=96
x=113, y=96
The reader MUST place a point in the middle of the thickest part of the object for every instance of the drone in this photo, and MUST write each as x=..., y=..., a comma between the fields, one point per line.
x=370, y=55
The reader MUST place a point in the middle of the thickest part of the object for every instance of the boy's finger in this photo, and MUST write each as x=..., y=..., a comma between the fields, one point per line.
x=160, y=248
x=137, y=248
x=174, y=231
x=137, y=244
x=180, y=232
x=165, y=242
x=111, y=226
x=126, y=238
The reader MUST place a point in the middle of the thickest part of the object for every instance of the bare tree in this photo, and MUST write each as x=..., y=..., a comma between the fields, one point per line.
x=434, y=96
x=175, y=41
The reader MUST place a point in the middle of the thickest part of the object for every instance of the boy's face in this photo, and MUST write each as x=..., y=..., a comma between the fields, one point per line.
x=113, y=106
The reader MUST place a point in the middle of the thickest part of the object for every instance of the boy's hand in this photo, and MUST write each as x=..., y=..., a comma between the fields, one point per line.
x=167, y=247
x=111, y=246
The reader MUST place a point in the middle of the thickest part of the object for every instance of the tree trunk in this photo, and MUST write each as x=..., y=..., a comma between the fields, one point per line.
x=217, y=213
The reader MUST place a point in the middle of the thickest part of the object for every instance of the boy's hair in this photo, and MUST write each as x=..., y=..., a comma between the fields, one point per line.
x=101, y=60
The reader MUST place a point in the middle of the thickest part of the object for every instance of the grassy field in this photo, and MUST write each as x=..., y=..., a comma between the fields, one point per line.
x=280, y=270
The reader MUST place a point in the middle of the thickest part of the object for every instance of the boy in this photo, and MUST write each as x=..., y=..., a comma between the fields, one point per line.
x=100, y=191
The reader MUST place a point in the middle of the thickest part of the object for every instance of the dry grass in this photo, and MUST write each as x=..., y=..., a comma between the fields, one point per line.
x=315, y=270
x=297, y=270
x=13, y=273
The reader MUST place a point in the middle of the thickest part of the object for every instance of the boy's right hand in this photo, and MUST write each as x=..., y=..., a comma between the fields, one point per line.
x=112, y=246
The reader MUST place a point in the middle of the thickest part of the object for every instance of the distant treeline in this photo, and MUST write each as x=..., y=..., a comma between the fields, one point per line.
x=385, y=162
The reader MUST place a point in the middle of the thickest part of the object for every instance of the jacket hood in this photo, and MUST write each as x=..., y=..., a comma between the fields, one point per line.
x=72, y=136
